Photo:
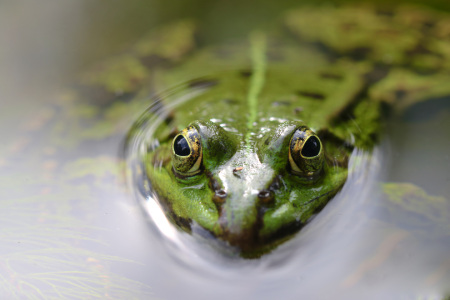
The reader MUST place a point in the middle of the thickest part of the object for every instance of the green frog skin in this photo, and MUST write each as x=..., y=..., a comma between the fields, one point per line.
x=262, y=132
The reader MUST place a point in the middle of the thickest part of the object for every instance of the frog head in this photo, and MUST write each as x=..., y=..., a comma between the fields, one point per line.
x=252, y=194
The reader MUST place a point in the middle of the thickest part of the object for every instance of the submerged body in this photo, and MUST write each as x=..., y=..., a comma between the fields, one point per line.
x=257, y=137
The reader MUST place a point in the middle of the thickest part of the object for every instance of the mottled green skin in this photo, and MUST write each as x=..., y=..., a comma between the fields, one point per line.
x=334, y=81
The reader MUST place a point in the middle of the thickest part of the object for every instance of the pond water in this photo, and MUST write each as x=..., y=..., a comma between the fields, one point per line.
x=72, y=222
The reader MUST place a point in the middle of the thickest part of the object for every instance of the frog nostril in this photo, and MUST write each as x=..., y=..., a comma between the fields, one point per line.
x=265, y=196
x=220, y=196
x=221, y=193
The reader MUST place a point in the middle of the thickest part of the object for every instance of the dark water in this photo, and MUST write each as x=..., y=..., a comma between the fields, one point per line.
x=72, y=228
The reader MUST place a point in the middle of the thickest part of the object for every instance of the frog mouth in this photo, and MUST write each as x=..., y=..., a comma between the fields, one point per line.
x=250, y=242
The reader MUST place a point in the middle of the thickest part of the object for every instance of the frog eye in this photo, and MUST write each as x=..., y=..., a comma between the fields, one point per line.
x=187, y=152
x=305, y=152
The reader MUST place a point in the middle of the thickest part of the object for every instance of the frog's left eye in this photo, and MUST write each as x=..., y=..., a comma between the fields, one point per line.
x=305, y=153
x=187, y=152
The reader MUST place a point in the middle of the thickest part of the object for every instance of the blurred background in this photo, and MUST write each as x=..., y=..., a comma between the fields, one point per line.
x=44, y=45
x=46, y=42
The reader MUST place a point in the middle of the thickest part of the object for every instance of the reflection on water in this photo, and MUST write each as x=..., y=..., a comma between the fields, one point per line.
x=70, y=227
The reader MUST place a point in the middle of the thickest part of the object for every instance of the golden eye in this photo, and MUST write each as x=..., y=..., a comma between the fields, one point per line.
x=305, y=153
x=187, y=152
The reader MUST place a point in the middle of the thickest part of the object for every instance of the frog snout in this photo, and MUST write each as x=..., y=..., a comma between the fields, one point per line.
x=241, y=214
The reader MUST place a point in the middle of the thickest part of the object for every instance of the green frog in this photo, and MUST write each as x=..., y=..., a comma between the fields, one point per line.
x=253, y=138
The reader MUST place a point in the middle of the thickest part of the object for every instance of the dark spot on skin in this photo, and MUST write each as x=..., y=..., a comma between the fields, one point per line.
x=230, y=101
x=428, y=24
x=349, y=26
x=312, y=95
x=331, y=76
x=328, y=194
x=359, y=53
x=384, y=13
x=400, y=94
x=203, y=83
x=245, y=73
x=419, y=49
x=281, y=103
x=416, y=54
x=419, y=70
x=329, y=52
x=376, y=74
x=298, y=110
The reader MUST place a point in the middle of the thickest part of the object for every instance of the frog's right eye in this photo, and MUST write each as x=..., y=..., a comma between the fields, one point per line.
x=305, y=153
x=187, y=152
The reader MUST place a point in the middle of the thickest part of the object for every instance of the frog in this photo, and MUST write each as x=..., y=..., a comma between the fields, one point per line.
x=251, y=139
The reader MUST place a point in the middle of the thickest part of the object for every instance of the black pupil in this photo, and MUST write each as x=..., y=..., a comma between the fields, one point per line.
x=311, y=148
x=181, y=146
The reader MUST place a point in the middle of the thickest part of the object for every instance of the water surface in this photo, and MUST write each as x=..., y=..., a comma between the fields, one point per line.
x=71, y=225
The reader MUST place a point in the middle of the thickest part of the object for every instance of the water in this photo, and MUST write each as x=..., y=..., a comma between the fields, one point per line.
x=71, y=227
